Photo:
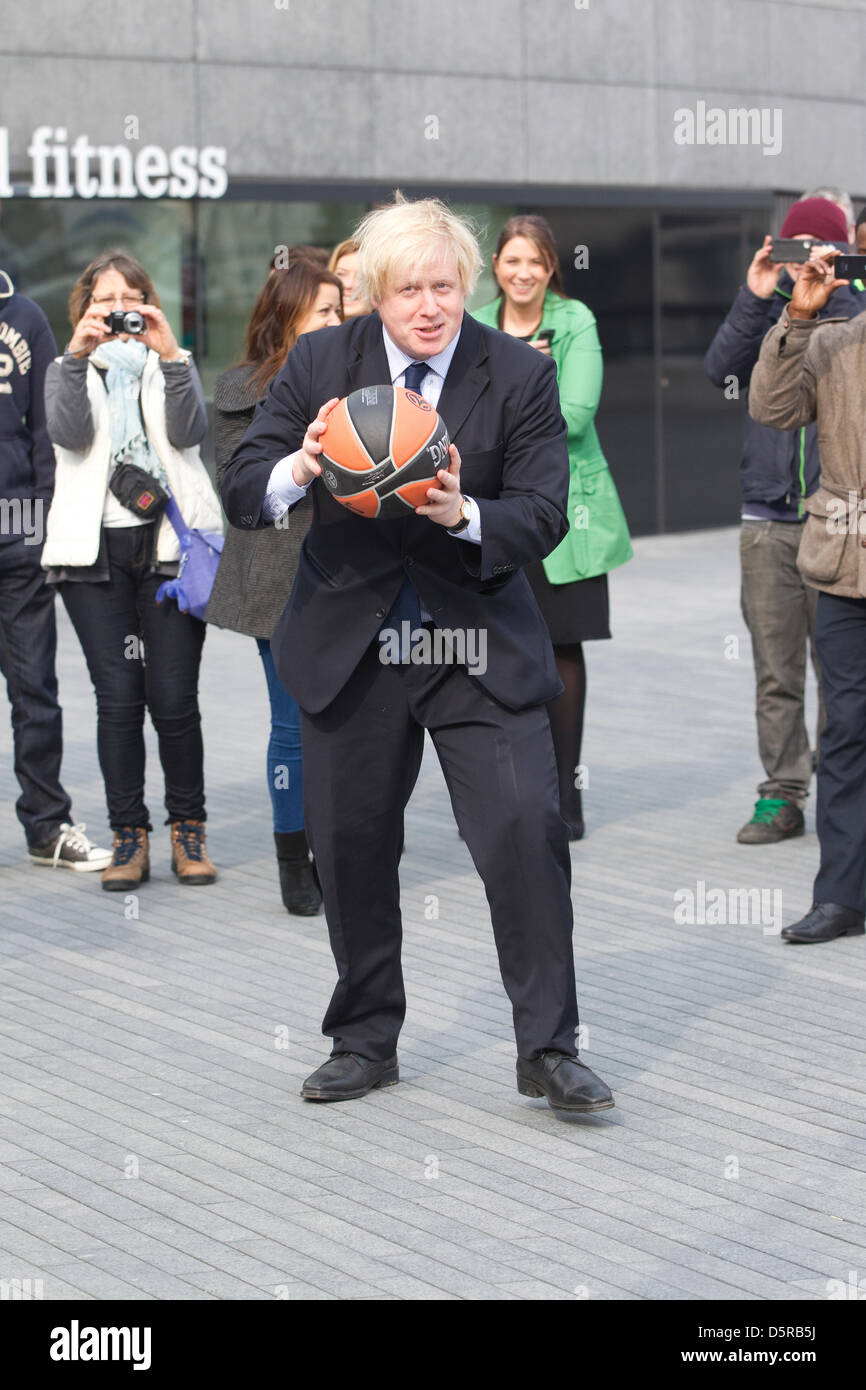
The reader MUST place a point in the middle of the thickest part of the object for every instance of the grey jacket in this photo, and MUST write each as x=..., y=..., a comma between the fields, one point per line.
x=813, y=370
x=257, y=568
x=67, y=405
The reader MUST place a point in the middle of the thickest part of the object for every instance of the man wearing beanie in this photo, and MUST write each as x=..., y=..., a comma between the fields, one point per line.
x=27, y=632
x=779, y=470
x=842, y=201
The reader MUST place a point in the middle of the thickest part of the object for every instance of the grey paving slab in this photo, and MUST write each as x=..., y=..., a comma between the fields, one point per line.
x=152, y=1141
x=97, y=1283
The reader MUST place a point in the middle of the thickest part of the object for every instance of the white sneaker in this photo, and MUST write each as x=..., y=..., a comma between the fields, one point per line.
x=71, y=850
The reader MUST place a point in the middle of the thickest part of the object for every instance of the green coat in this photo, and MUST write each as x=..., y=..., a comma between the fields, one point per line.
x=598, y=538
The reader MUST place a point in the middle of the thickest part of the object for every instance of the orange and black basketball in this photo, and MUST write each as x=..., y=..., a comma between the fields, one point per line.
x=382, y=448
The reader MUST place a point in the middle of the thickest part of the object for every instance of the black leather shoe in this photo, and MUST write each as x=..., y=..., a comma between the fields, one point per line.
x=347, y=1076
x=567, y=1082
x=824, y=922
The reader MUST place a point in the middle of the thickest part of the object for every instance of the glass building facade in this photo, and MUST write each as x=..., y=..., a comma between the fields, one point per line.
x=658, y=269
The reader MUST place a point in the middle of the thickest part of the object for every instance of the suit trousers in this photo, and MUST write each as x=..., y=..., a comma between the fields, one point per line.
x=362, y=755
x=840, y=635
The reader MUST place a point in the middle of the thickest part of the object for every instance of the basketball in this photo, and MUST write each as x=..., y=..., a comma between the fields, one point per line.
x=381, y=451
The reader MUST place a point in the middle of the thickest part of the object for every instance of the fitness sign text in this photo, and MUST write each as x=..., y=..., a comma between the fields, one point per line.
x=66, y=167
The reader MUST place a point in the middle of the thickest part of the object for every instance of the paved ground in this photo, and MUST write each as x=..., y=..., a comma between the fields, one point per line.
x=152, y=1141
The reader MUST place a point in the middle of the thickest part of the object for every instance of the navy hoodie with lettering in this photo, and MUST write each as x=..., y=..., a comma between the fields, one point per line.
x=26, y=453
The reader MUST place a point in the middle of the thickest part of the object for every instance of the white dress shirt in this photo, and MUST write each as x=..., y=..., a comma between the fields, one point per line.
x=283, y=491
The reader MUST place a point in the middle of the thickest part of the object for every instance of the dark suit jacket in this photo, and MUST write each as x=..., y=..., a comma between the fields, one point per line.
x=501, y=405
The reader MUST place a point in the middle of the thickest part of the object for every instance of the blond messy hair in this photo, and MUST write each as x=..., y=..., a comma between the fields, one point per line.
x=403, y=236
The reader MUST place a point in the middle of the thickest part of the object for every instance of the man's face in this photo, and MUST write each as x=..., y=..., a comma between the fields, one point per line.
x=861, y=239
x=423, y=310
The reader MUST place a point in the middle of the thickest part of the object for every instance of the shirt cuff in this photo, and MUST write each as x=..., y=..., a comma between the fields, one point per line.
x=472, y=532
x=282, y=490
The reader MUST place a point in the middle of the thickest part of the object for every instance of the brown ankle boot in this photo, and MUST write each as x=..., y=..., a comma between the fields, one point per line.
x=130, y=860
x=189, y=858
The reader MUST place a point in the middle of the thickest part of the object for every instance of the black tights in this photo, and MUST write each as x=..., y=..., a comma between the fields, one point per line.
x=566, y=722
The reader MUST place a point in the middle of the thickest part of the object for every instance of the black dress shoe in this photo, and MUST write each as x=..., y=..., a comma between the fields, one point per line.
x=824, y=922
x=567, y=1082
x=347, y=1076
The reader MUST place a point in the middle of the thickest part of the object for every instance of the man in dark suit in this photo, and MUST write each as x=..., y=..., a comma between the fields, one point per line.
x=454, y=564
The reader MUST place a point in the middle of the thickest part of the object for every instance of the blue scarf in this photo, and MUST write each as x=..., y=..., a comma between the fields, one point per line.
x=125, y=364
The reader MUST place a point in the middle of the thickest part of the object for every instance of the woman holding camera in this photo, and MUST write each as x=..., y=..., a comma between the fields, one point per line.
x=570, y=585
x=125, y=405
x=257, y=568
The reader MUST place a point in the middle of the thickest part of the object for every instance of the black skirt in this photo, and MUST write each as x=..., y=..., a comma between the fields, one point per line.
x=575, y=612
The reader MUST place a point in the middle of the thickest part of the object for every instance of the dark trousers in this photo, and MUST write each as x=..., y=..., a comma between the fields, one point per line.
x=28, y=646
x=361, y=760
x=840, y=635
x=141, y=654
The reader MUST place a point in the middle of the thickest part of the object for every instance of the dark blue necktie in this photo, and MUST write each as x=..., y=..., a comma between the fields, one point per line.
x=407, y=605
x=415, y=374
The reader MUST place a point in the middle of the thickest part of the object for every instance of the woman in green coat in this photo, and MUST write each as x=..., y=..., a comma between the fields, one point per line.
x=570, y=585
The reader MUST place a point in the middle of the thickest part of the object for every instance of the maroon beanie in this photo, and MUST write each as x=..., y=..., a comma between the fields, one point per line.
x=816, y=217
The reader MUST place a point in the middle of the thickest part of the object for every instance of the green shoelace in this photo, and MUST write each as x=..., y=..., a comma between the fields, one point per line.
x=766, y=810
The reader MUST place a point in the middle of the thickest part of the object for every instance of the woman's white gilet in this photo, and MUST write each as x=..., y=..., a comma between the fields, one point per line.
x=81, y=480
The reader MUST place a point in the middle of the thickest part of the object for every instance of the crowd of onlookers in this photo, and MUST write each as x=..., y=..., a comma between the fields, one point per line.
x=120, y=399
x=124, y=400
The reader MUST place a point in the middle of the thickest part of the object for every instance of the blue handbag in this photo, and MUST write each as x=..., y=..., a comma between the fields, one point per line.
x=199, y=560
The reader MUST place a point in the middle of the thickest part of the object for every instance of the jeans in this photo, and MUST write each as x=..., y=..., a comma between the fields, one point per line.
x=28, y=645
x=779, y=610
x=141, y=654
x=285, y=770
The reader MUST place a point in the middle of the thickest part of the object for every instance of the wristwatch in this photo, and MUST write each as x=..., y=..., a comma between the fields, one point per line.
x=184, y=357
x=465, y=518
